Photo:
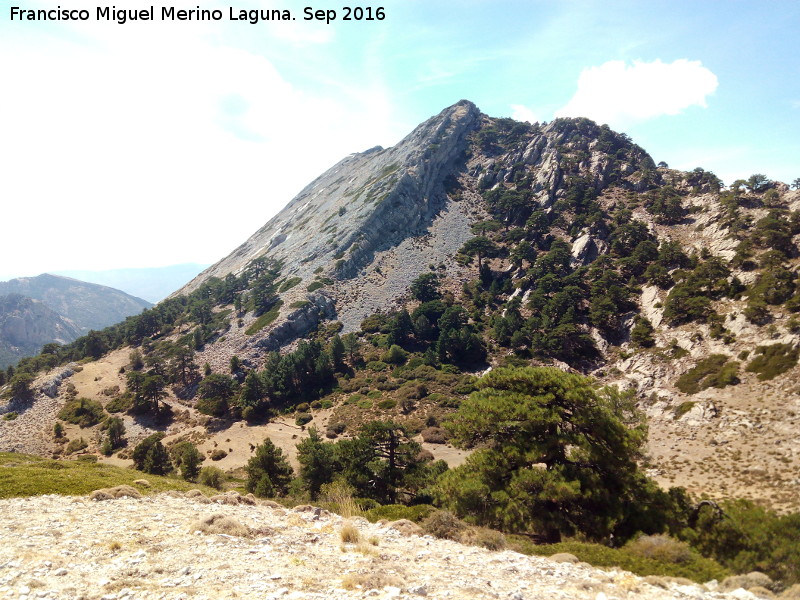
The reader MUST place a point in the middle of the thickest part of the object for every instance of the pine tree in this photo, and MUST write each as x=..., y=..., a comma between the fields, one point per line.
x=554, y=456
x=317, y=464
x=268, y=471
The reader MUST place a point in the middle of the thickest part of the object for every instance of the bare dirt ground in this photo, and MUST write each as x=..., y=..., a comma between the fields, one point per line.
x=738, y=442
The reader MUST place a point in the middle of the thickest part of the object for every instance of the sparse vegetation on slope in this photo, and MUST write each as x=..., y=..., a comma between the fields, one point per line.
x=25, y=475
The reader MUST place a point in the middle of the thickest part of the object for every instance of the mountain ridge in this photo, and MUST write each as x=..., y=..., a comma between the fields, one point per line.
x=589, y=257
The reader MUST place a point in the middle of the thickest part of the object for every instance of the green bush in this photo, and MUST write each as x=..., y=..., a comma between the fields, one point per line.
x=395, y=355
x=697, y=569
x=120, y=404
x=289, y=284
x=303, y=418
x=83, y=412
x=715, y=371
x=216, y=407
x=377, y=366
x=151, y=457
x=395, y=512
x=773, y=360
x=682, y=409
x=265, y=319
x=218, y=454
x=354, y=399
x=212, y=477
x=387, y=404
x=314, y=286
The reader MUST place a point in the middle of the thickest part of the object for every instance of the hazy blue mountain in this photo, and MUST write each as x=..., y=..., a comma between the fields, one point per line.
x=152, y=284
x=87, y=305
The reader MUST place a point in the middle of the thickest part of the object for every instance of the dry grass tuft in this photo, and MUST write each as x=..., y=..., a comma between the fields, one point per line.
x=747, y=582
x=339, y=497
x=349, y=533
x=483, y=537
x=660, y=547
x=406, y=527
x=214, y=524
x=120, y=491
x=444, y=525
x=369, y=581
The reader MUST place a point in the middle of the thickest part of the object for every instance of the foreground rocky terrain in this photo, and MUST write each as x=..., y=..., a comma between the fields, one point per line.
x=170, y=546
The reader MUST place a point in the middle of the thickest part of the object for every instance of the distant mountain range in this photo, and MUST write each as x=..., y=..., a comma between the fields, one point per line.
x=48, y=308
x=152, y=284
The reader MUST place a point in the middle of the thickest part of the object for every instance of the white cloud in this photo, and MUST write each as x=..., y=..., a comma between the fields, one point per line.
x=523, y=113
x=620, y=94
x=125, y=147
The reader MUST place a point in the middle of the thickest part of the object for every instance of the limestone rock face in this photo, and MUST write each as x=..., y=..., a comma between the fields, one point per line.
x=365, y=203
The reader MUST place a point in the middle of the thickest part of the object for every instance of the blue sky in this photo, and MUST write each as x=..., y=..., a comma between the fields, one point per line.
x=157, y=143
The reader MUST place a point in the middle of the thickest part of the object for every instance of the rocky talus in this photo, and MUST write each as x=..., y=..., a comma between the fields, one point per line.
x=171, y=546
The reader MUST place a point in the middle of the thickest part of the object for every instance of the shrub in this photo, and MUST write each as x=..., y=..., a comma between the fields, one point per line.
x=303, y=418
x=444, y=525
x=484, y=537
x=212, y=477
x=349, y=533
x=434, y=435
x=714, y=371
x=215, y=407
x=338, y=427
x=387, y=404
x=773, y=360
x=76, y=445
x=757, y=312
x=377, y=366
x=120, y=404
x=83, y=412
x=289, y=284
x=10, y=416
x=682, y=409
x=395, y=355
x=698, y=569
x=660, y=547
x=395, y=512
x=218, y=454
x=265, y=319
x=220, y=524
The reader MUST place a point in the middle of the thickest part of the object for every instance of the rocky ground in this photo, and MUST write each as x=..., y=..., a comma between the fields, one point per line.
x=171, y=546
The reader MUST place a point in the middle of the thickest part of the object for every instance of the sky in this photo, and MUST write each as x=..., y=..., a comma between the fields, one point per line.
x=153, y=143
